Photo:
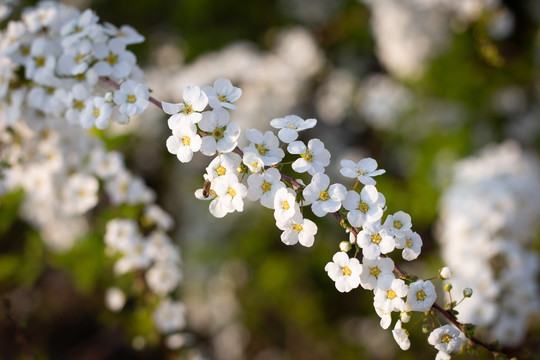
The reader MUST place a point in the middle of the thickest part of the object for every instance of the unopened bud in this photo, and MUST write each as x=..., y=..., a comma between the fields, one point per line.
x=345, y=246
x=108, y=97
x=467, y=292
x=445, y=273
x=426, y=329
x=405, y=316
x=447, y=287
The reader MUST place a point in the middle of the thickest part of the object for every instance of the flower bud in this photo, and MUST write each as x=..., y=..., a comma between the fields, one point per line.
x=345, y=246
x=108, y=97
x=426, y=329
x=405, y=316
x=467, y=292
x=447, y=287
x=445, y=273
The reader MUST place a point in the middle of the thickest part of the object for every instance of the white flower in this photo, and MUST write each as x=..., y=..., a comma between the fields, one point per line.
x=373, y=270
x=222, y=165
x=222, y=136
x=113, y=59
x=188, y=111
x=290, y=125
x=344, y=271
x=313, y=157
x=411, y=243
x=96, y=112
x=132, y=98
x=364, y=207
x=266, y=146
x=76, y=29
x=120, y=233
x=156, y=215
x=223, y=94
x=41, y=63
x=446, y=339
x=386, y=316
x=183, y=142
x=169, y=316
x=264, y=187
x=230, y=196
x=363, y=170
x=75, y=59
x=253, y=161
x=75, y=103
x=325, y=198
x=163, y=277
x=285, y=205
x=297, y=229
x=80, y=193
x=389, y=293
x=401, y=336
x=374, y=240
x=135, y=256
x=114, y=299
x=421, y=296
x=398, y=223
x=160, y=248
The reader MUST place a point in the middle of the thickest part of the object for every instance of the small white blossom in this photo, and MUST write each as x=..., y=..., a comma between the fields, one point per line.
x=184, y=142
x=325, y=198
x=113, y=59
x=80, y=193
x=401, y=336
x=290, y=125
x=114, y=299
x=253, y=161
x=188, y=111
x=223, y=165
x=389, y=293
x=374, y=240
x=265, y=145
x=222, y=135
x=446, y=339
x=97, y=112
x=313, y=157
x=169, y=316
x=285, y=205
x=344, y=271
x=223, y=94
x=445, y=273
x=398, y=223
x=373, y=270
x=366, y=207
x=297, y=229
x=132, y=97
x=264, y=186
x=230, y=196
x=163, y=277
x=421, y=296
x=363, y=170
x=411, y=243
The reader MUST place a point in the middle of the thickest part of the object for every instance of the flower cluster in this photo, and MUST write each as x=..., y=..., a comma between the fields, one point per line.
x=50, y=66
x=487, y=217
x=256, y=172
x=52, y=61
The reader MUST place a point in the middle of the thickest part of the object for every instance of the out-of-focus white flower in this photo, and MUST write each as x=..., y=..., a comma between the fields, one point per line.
x=169, y=316
x=163, y=277
x=114, y=299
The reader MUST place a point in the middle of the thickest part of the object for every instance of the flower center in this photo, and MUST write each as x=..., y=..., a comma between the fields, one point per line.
x=188, y=109
x=185, y=140
x=112, y=59
x=391, y=294
x=376, y=239
x=231, y=192
x=220, y=170
x=96, y=112
x=255, y=165
x=131, y=98
x=222, y=98
x=78, y=104
x=323, y=196
x=397, y=224
x=363, y=207
x=218, y=133
x=446, y=338
x=79, y=58
x=266, y=186
x=261, y=149
x=285, y=205
x=40, y=61
x=408, y=243
x=346, y=271
x=307, y=156
x=421, y=295
x=297, y=228
x=375, y=271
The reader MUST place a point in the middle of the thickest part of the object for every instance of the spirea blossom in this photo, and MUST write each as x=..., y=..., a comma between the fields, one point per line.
x=364, y=170
x=313, y=157
x=446, y=339
x=222, y=94
x=323, y=197
x=290, y=125
x=188, y=111
x=132, y=98
x=344, y=271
